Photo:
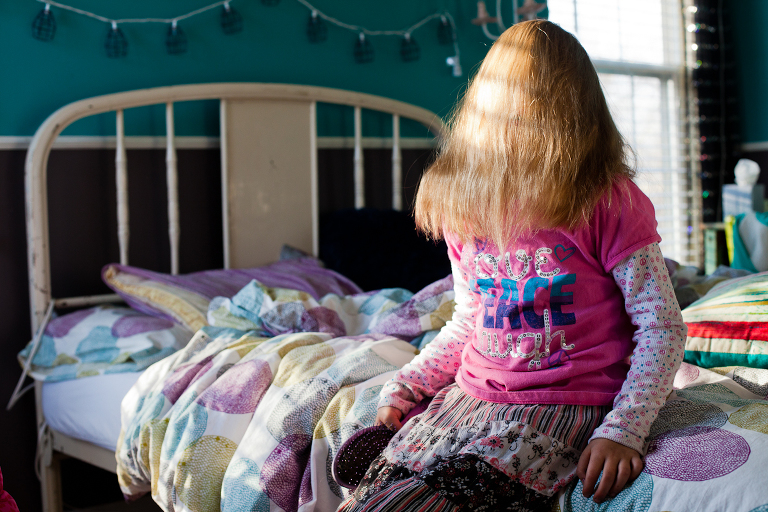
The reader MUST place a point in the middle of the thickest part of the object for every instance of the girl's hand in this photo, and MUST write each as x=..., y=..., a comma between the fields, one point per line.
x=389, y=417
x=618, y=463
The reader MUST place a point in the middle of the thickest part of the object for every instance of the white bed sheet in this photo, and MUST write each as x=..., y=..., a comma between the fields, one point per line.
x=88, y=408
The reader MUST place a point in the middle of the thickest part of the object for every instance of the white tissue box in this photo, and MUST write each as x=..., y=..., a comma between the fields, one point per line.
x=738, y=199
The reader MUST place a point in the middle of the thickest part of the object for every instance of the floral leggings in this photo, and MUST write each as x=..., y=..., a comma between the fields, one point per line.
x=459, y=483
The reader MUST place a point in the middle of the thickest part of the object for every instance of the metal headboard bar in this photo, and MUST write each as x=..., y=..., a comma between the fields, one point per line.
x=173, y=188
x=359, y=174
x=38, y=256
x=397, y=165
x=121, y=180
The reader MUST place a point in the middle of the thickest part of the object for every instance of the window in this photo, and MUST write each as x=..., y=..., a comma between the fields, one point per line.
x=637, y=49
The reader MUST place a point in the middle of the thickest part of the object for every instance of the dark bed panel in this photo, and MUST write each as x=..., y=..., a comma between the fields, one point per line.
x=83, y=219
x=335, y=176
x=381, y=249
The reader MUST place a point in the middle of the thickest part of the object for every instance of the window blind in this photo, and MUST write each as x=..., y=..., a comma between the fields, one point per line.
x=637, y=48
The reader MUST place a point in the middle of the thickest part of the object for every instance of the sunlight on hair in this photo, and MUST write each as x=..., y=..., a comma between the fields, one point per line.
x=531, y=146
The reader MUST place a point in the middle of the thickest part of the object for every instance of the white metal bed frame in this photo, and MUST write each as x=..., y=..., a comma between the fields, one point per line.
x=250, y=111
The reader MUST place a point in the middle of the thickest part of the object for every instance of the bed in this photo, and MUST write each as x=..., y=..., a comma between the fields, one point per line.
x=234, y=389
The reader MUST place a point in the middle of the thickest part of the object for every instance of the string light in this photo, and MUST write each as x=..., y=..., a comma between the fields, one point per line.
x=363, y=50
x=116, y=44
x=133, y=20
x=175, y=40
x=409, y=49
x=44, y=25
x=317, y=30
x=231, y=20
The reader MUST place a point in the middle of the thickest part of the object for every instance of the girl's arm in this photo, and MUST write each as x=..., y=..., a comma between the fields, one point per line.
x=650, y=301
x=436, y=366
x=660, y=340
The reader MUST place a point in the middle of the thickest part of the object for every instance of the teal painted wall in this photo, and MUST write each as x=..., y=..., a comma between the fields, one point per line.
x=748, y=20
x=39, y=77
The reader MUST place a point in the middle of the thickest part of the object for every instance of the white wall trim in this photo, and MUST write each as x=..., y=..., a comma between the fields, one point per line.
x=375, y=143
x=138, y=142
x=755, y=146
x=103, y=142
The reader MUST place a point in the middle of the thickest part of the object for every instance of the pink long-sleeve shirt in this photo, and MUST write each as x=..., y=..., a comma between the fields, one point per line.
x=585, y=317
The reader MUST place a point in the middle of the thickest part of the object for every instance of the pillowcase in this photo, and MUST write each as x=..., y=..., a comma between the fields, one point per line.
x=727, y=326
x=100, y=340
x=184, y=299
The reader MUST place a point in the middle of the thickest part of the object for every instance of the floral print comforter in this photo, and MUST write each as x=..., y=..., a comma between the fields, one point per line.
x=249, y=415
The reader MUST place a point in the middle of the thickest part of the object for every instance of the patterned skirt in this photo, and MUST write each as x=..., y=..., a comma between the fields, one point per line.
x=464, y=453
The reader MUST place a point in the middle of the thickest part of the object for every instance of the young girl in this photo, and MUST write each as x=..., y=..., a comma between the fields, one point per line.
x=566, y=334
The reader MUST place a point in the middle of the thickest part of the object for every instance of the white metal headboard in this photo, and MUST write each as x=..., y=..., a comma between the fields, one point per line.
x=228, y=94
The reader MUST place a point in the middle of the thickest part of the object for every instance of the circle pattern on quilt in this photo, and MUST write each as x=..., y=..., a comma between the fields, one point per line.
x=752, y=379
x=761, y=508
x=751, y=417
x=308, y=323
x=328, y=321
x=179, y=380
x=716, y=393
x=335, y=488
x=167, y=488
x=366, y=405
x=157, y=429
x=348, y=305
x=300, y=408
x=239, y=390
x=186, y=428
x=384, y=300
x=60, y=327
x=686, y=374
x=635, y=498
x=303, y=363
x=200, y=472
x=305, y=491
x=441, y=315
x=99, y=346
x=246, y=344
x=289, y=342
x=359, y=366
x=696, y=454
x=677, y=414
x=224, y=369
x=339, y=407
x=131, y=325
x=241, y=489
x=282, y=471
x=204, y=371
x=283, y=318
x=149, y=407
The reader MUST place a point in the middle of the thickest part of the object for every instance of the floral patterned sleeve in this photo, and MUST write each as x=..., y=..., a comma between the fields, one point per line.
x=650, y=301
x=436, y=366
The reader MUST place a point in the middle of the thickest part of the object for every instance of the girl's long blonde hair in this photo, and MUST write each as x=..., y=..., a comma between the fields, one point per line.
x=531, y=146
